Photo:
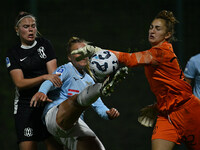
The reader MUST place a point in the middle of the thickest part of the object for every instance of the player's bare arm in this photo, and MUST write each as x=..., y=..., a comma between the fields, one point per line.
x=22, y=83
x=38, y=99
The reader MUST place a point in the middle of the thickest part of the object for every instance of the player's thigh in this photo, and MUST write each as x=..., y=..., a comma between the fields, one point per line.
x=192, y=124
x=160, y=144
x=80, y=136
x=165, y=130
x=52, y=144
x=28, y=124
x=28, y=145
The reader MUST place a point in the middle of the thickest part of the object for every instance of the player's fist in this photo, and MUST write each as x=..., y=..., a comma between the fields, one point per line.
x=85, y=51
x=113, y=113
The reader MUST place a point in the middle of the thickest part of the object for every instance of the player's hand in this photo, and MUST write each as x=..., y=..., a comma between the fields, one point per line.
x=54, y=78
x=112, y=113
x=148, y=115
x=38, y=99
x=86, y=51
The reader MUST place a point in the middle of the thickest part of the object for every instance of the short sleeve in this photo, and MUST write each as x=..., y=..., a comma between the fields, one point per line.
x=49, y=50
x=11, y=62
x=190, y=70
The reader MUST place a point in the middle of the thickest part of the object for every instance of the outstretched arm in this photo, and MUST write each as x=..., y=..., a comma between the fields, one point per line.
x=129, y=59
x=136, y=59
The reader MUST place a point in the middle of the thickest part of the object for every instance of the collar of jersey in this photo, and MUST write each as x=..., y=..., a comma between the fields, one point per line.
x=81, y=76
x=28, y=47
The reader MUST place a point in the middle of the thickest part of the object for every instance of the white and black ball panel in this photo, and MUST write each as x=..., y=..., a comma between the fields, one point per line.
x=103, y=63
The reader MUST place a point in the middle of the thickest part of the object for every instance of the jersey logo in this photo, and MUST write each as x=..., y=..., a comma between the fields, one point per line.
x=8, y=64
x=60, y=71
x=41, y=52
x=23, y=59
x=28, y=132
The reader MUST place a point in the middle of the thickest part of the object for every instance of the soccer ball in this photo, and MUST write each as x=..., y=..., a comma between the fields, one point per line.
x=102, y=64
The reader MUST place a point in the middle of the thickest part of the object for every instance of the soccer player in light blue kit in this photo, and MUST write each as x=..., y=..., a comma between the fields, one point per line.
x=67, y=103
x=192, y=73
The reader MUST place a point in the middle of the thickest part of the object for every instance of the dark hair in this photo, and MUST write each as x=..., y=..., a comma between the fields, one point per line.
x=21, y=15
x=72, y=41
x=170, y=21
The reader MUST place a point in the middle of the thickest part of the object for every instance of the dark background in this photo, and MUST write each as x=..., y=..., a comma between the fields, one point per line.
x=114, y=24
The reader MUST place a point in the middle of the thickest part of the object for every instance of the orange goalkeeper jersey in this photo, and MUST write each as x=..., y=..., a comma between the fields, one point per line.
x=163, y=73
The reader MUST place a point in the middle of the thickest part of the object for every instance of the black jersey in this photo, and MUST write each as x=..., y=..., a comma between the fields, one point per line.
x=31, y=61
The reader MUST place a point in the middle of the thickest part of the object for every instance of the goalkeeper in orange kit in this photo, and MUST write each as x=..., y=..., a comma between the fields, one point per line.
x=178, y=109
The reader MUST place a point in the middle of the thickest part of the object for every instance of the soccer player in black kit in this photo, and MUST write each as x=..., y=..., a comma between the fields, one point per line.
x=29, y=63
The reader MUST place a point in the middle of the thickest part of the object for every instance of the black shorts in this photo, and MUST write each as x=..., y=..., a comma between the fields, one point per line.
x=28, y=123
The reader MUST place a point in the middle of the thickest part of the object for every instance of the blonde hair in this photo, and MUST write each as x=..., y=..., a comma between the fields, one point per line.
x=73, y=40
x=21, y=16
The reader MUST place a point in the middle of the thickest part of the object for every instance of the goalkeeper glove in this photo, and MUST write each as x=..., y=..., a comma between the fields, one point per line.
x=86, y=51
x=148, y=115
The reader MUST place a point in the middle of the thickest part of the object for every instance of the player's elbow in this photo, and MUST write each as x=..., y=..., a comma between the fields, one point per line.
x=20, y=86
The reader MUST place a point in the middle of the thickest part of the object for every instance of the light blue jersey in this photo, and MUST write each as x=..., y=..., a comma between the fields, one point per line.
x=192, y=70
x=73, y=83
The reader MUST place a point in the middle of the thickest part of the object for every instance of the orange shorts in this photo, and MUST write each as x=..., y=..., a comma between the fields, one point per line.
x=165, y=130
x=182, y=125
